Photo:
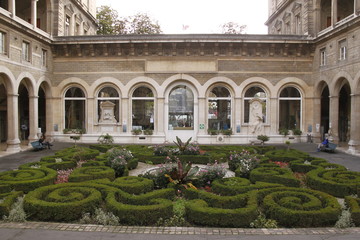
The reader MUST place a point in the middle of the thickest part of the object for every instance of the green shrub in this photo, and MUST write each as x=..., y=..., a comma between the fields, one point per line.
x=262, y=222
x=286, y=155
x=274, y=175
x=61, y=202
x=208, y=209
x=134, y=185
x=17, y=213
x=337, y=182
x=118, y=160
x=100, y=217
x=345, y=220
x=90, y=173
x=6, y=201
x=28, y=179
x=299, y=207
x=354, y=206
x=235, y=185
x=103, y=148
x=147, y=214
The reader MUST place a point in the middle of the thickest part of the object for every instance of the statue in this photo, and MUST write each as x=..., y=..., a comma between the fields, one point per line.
x=256, y=117
x=107, y=112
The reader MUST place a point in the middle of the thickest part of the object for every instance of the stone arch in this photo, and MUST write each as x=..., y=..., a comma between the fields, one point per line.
x=264, y=83
x=144, y=81
x=113, y=82
x=231, y=85
x=8, y=79
x=180, y=78
x=71, y=82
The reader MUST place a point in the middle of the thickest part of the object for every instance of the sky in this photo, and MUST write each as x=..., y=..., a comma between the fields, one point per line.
x=196, y=16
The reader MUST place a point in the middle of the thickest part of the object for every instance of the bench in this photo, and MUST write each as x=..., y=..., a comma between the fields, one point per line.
x=329, y=148
x=37, y=145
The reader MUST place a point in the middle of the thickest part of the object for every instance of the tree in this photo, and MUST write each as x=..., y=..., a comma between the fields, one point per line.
x=110, y=23
x=233, y=28
x=107, y=20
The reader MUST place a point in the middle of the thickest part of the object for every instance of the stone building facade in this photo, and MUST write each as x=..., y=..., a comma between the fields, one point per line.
x=304, y=75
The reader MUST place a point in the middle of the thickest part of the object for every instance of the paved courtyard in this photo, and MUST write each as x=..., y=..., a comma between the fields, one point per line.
x=46, y=230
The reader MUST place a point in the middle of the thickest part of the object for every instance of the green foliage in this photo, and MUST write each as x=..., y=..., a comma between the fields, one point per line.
x=182, y=145
x=28, y=179
x=337, y=182
x=284, y=131
x=118, y=160
x=136, y=131
x=299, y=207
x=148, y=132
x=100, y=217
x=90, y=173
x=354, y=207
x=106, y=139
x=345, y=220
x=178, y=219
x=17, y=213
x=297, y=131
x=262, y=222
x=243, y=162
x=274, y=175
x=7, y=200
x=263, y=138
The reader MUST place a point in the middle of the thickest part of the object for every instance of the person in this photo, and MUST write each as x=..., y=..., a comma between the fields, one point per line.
x=323, y=144
x=44, y=142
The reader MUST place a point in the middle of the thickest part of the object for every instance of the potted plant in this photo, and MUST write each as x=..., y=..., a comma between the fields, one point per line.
x=212, y=132
x=227, y=132
x=106, y=139
x=148, y=132
x=136, y=131
x=263, y=139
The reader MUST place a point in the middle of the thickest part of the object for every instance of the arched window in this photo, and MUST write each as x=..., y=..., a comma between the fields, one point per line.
x=109, y=95
x=251, y=93
x=219, y=108
x=290, y=108
x=75, y=108
x=181, y=108
x=143, y=109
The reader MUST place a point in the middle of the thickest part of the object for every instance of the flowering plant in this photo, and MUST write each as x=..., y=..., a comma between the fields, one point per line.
x=244, y=161
x=117, y=160
x=208, y=174
x=161, y=150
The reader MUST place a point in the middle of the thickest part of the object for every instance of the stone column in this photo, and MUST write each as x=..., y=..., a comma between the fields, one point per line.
x=354, y=125
x=126, y=117
x=13, y=141
x=334, y=117
x=12, y=10
x=316, y=120
x=33, y=118
x=33, y=12
x=90, y=115
x=334, y=12
x=159, y=126
x=272, y=112
x=202, y=115
x=49, y=116
x=356, y=7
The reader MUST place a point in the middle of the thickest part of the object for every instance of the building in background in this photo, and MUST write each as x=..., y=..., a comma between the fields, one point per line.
x=57, y=76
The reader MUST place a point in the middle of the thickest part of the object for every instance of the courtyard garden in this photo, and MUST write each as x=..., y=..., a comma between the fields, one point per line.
x=184, y=184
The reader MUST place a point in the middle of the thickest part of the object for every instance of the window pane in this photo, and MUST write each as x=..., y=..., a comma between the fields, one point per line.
x=255, y=92
x=143, y=114
x=143, y=92
x=108, y=92
x=75, y=114
x=289, y=114
x=219, y=92
x=219, y=114
x=74, y=92
x=290, y=92
x=181, y=109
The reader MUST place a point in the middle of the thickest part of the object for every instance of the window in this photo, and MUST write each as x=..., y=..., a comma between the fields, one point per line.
x=219, y=109
x=26, y=51
x=181, y=108
x=75, y=108
x=110, y=97
x=143, y=109
x=67, y=26
x=342, y=50
x=298, y=24
x=323, y=57
x=251, y=93
x=2, y=43
x=43, y=58
x=290, y=108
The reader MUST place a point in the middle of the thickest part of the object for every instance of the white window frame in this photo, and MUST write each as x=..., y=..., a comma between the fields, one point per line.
x=342, y=50
x=265, y=99
x=143, y=98
x=44, y=58
x=221, y=98
x=291, y=99
x=67, y=25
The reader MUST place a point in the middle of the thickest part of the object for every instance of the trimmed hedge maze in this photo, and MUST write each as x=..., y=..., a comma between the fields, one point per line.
x=273, y=188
